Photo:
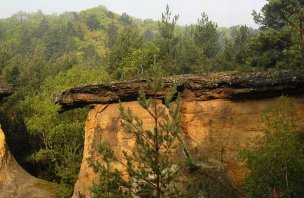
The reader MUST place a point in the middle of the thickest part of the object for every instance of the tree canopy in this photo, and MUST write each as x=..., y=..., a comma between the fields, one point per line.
x=41, y=54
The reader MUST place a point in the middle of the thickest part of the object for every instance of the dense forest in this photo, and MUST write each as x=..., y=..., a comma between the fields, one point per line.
x=43, y=54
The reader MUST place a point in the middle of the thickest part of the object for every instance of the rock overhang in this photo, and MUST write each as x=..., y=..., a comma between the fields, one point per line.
x=207, y=86
x=221, y=113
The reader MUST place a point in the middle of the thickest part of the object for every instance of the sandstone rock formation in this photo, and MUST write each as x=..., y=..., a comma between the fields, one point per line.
x=221, y=114
x=14, y=181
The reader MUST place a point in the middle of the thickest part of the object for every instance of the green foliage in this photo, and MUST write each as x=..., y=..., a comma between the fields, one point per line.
x=150, y=167
x=111, y=183
x=268, y=48
x=236, y=51
x=61, y=136
x=204, y=183
x=127, y=42
x=41, y=54
x=282, y=38
x=276, y=161
x=166, y=25
x=125, y=19
x=167, y=42
x=93, y=23
x=190, y=58
x=279, y=44
x=206, y=36
x=243, y=35
x=137, y=63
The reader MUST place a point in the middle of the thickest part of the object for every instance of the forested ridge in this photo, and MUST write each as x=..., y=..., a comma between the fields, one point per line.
x=42, y=54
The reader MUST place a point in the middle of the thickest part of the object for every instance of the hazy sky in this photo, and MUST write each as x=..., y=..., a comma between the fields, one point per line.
x=223, y=12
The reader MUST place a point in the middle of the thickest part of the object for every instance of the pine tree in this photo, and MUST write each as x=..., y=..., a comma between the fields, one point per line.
x=168, y=41
x=151, y=170
x=206, y=36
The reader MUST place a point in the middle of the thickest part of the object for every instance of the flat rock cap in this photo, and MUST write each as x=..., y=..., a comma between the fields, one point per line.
x=207, y=86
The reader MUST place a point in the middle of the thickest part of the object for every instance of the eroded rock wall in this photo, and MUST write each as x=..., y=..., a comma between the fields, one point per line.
x=221, y=114
x=214, y=131
x=15, y=182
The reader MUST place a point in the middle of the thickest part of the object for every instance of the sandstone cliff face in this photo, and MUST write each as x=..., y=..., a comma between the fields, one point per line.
x=14, y=181
x=221, y=114
x=214, y=131
x=17, y=183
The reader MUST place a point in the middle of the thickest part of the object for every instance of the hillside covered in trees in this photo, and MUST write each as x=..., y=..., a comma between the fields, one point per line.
x=43, y=54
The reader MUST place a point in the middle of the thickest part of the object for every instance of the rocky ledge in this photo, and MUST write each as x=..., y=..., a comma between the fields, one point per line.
x=221, y=85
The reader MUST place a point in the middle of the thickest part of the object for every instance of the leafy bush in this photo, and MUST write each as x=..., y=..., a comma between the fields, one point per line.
x=59, y=137
x=277, y=159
